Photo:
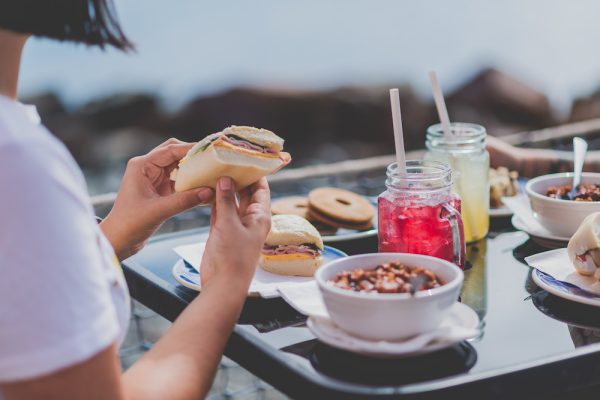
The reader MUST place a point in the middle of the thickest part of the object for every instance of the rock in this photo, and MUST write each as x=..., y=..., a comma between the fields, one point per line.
x=122, y=110
x=118, y=146
x=308, y=120
x=585, y=108
x=48, y=105
x=318, y=126
x=495, y=100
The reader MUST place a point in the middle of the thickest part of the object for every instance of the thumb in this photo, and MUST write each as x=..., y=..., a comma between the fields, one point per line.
x=226, y=205
x=182, y=201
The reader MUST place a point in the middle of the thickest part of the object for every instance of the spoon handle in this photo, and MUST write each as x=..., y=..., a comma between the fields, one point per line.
x=579, y=148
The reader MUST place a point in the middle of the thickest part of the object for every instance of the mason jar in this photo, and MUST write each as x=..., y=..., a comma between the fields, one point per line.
x=418, y=213
x=466, y=154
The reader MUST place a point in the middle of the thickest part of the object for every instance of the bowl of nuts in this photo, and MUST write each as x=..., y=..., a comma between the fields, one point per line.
x=558, y=211
x=388, y=296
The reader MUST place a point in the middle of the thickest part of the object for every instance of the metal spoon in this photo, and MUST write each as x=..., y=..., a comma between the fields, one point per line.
x=415, y=283
x=579, y=149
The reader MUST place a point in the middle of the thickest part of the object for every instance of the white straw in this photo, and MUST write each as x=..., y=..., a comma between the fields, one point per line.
x=440, y=104
x=398, y=135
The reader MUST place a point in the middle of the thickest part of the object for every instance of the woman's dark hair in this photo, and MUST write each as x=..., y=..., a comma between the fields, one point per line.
x=93, y=22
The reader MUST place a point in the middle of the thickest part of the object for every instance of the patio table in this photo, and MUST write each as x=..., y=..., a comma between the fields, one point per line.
x=533, y=344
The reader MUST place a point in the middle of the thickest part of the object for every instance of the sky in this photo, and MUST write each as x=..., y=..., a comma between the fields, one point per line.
x=187, y=48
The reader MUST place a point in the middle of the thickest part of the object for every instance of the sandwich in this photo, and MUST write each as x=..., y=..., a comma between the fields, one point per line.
x=293, y=247
x=242, y=153
x=584, y=247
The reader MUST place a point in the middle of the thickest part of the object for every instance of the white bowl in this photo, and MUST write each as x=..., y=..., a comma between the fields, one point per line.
x=385, y=316
x=560, y=217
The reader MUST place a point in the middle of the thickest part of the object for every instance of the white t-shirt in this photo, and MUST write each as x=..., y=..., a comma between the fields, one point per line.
x=63, y=297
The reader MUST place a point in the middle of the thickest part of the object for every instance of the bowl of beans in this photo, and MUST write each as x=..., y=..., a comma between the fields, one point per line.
x=556, y=210
x=389, y=296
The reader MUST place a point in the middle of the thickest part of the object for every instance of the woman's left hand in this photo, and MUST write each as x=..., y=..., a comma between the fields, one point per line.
x=146, y=198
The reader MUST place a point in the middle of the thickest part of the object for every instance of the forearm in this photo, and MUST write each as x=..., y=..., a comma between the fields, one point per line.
x=125, y=240
x=190, y=351
x=535, y=162
x=112, y=234
x=528, y=162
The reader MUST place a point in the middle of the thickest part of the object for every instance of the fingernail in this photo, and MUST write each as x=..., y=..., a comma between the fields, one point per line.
x=205, y=194
x=225, y=183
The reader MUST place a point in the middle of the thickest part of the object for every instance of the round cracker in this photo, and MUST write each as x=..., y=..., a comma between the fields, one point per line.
x=298, y=205
x=294, y=205
x=338, y=224
x=341, y=206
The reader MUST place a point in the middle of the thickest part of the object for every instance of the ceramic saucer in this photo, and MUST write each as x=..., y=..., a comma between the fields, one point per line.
x=540, y=235
x=461, y=324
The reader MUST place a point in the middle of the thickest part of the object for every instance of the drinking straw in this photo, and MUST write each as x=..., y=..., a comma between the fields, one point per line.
x=440, y=104
x=460, y=183
x=398, y=134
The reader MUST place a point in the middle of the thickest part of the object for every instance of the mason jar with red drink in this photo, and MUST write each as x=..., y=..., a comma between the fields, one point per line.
x=419, y=213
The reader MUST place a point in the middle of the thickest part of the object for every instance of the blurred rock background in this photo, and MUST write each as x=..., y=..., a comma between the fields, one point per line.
x=318, y=126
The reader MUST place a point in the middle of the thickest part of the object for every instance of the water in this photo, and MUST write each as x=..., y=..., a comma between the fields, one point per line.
x=187, y=47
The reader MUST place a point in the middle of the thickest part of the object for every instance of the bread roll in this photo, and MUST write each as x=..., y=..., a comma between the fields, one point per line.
x=293, y=247
x=287, y=229
x=584, y=246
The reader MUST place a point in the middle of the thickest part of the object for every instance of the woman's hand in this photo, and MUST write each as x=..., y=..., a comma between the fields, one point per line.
x=146, y=198
x=190, y=351
x=237, y=234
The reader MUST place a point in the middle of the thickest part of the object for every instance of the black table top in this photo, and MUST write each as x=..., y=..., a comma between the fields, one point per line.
x=533, y=343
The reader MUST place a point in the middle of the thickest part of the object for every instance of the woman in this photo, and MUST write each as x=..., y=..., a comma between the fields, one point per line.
x=63, y=300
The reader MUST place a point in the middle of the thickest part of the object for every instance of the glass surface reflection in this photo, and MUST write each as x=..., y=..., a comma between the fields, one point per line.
x=583, y=321
x=474, y=292
x=583, y=336
x=392, y=371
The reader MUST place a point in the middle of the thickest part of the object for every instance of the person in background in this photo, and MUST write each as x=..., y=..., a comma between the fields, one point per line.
x=64, y=305
x=534, y=162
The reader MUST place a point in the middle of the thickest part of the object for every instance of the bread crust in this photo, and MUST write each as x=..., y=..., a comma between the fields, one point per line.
x=259, y=136
x=288, y=229
x=300, y=267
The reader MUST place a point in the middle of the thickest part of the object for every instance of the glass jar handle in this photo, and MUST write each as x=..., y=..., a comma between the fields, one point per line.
x=454, y=219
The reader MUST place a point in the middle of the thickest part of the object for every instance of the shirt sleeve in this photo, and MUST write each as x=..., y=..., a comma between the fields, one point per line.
x=55, y=304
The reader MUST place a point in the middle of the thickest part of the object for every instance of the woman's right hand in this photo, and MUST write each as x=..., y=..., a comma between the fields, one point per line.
x=237, y=234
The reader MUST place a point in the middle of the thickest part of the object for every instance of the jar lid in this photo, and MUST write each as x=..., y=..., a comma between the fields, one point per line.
x=420, y=175
x=464, y=137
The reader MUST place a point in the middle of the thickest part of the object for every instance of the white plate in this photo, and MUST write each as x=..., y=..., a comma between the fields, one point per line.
x=540, y=235
x=565, y=290
x=343, y=235
x=187, y=276
x=325, y=330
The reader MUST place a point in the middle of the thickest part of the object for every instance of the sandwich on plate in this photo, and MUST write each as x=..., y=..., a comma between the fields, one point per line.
x=584, y=246
x=293, y=247
x=243, y=153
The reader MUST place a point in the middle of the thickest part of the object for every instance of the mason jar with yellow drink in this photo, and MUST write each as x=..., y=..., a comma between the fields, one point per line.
x=464, y=150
